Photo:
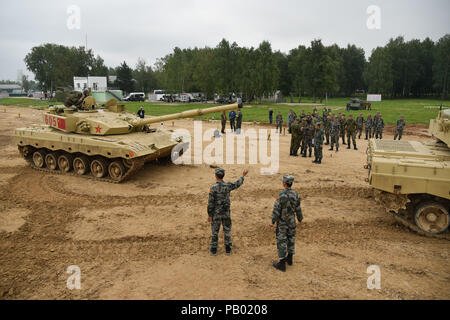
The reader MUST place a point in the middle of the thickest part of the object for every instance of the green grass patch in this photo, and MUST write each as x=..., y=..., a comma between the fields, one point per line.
x=414, y=110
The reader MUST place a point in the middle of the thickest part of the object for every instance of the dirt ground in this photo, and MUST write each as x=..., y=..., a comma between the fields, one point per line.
x=148, y=238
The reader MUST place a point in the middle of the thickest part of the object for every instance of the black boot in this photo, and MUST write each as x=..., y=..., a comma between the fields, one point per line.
x=319, y=161
x=213, y=251
x=348, y=147
x=331, y=149
x=281, y=265
x=310, y=154
x=315, y=160
x=289, y=259
x=354, y=147
x=228, y=250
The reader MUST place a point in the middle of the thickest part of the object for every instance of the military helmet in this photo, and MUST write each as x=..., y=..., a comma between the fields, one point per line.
x=288, y=179
x=220, y=173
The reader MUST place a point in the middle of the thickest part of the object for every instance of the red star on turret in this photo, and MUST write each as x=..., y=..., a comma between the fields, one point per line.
x=98, y=129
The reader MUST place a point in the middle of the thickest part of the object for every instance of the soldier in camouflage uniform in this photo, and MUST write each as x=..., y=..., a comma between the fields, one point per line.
x=400, y=126
x=286, y=209
x=327, y=128
x=318, y=144
x=295, y=138
x=335, y=131
x=342, y=122
x=219, y=209
x=369, y=125
x=279, y=121
x=290, y=120
x=308, y=132
x=360, y=122
x=76, y=99
x=351, y=126
x=379, y=126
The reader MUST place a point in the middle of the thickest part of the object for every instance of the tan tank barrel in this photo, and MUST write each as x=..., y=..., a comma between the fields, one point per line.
x=188, y=114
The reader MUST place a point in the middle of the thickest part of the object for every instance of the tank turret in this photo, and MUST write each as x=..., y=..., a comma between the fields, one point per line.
x=110, y=143
x=440, y=127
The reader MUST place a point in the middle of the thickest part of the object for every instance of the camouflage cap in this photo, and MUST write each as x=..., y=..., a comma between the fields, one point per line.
x=220, y=172
x=288, y=179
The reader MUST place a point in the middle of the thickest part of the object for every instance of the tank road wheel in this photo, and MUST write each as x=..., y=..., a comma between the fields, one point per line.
x=81, y=165
x=116, y=170
x=51, y=161
x=39, y=158
x=432, y=218
x=99, y=168
x=65, y=162
x=127, y=163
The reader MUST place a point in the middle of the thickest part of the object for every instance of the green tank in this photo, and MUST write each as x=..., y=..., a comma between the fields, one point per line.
x=107, y=144
x=414, y=178
x=356, y=104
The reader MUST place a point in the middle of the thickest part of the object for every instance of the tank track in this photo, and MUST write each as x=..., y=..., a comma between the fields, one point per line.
x=136, y=165
x=406, y=218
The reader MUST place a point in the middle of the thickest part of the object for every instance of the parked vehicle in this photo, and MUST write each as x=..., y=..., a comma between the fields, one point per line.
x=135, y=96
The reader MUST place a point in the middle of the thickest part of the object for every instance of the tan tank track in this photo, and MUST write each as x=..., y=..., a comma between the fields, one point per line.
x=405, y=217
x=137, y=164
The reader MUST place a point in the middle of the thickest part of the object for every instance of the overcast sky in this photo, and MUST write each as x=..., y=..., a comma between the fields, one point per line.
x=127, y=30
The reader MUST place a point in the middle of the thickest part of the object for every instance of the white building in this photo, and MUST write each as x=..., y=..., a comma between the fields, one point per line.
x=93, y=83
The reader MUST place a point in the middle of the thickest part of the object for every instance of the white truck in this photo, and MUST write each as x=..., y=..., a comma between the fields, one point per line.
x=157, y=95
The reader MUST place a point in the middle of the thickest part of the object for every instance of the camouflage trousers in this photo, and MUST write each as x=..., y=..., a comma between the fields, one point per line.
x=306, y=146
x=318, y=151
x=215, y=228
x=285, y=240
x=327, y=136
x=224, y=123
x=359, y=132
x=399, y=134
x=335, y=141
x=351, y=136
x=368, y=133
x=343, y=137
x=295, y=144
x=279, y=125
x=378, y=133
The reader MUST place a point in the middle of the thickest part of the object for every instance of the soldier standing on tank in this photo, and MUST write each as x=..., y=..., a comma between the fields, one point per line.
x=223, y=119
x=342, y=121
x=379, y=126
x=279, y=121
x=286, y=209
x=351, y=126
x=360, y=122
x=290, y=120
x=239, y=122
x=335, y=131
x=400, y=126
x=219, y=209
x=327, y=128
x=318, y=143
x=295, y=139
x=308, y=132
x=369, y=124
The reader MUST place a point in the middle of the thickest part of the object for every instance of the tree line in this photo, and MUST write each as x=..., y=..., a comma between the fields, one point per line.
x=398, y=69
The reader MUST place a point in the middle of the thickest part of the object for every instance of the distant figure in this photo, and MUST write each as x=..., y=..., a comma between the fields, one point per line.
x=141, y=113
x=232, y=116
x=279, y=121
x=400, y=126
x=270, y=116
x=238, y=122
x=223, y=119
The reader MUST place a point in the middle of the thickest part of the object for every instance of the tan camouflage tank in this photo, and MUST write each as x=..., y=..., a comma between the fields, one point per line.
x=110, y=144
x=415, y=178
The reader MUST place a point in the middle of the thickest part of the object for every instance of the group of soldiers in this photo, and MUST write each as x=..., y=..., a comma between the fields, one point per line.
x=235, y=121
x=312, y=130
x=286, y=211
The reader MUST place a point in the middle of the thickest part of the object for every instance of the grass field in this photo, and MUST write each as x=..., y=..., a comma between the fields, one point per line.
x=416, y=111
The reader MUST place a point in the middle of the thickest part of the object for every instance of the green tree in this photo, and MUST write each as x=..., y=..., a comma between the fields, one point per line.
x=441, y=66
x=125, y=78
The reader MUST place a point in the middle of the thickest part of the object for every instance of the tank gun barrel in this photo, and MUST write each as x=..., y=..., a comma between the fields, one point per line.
x=188, y=114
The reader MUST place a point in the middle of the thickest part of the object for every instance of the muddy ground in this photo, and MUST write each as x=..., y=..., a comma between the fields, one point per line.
x=148, y=238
